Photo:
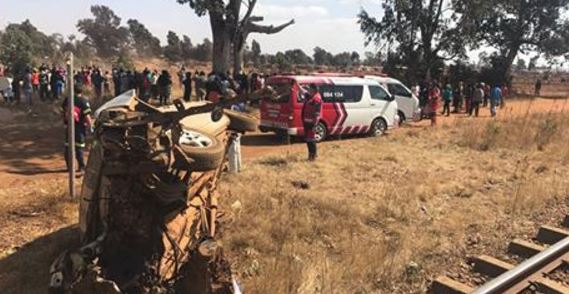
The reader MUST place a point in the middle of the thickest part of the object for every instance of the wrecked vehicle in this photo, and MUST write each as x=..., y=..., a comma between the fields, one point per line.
x=149, y=200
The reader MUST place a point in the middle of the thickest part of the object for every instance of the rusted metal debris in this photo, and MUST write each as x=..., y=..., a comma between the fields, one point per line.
x=149, y=201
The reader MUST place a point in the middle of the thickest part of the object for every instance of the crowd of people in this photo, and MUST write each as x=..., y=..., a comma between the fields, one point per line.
x=49, y=84
x=462, y=98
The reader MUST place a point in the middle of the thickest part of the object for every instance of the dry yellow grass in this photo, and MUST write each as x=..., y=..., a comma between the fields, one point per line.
x=378, y=215
x=386, y=215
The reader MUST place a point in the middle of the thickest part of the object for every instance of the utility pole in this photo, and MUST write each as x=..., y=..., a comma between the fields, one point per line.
x=71, y=126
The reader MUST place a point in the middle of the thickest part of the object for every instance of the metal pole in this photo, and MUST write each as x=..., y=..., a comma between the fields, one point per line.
x=71, y=126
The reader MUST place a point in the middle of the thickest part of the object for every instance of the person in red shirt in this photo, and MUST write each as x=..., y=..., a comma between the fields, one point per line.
x=311, y=111
x=36, y=81
x=434, y=98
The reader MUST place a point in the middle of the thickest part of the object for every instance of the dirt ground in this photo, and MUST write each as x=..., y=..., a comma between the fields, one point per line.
x=37, y=219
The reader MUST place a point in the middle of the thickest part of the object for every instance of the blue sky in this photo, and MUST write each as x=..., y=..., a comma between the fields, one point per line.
x=330, y=24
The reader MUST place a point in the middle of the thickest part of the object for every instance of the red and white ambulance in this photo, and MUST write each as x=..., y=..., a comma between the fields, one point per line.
x=351, y=105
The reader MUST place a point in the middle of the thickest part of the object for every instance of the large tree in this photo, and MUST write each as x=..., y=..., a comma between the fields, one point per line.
x=144, y=42
x=16, y=50
x=514, y=26
x=173, y=50
x=422, y=31
x=230, y=28
x=203, y=51
x=104, y=32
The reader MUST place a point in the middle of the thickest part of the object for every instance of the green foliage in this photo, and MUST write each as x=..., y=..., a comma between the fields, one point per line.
x=104, y=31
x=297, y=56
x=16, y=49
x=144, y=42
x=322, y=57
x=421, y=31
x=521, y=64
x=203, y=51
x=373, y=59
x=201, y=7
x=173, y=51
x=186, y=47
x=123, y=61
x=513, y=26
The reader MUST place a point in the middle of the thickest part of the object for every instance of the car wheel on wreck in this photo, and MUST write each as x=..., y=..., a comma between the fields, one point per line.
x=205, y=150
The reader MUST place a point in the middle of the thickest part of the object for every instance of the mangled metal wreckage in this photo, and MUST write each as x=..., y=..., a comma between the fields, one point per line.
x=149, y=201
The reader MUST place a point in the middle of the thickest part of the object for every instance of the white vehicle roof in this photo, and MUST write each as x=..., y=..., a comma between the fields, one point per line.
x=384, y=79
x=316, y=79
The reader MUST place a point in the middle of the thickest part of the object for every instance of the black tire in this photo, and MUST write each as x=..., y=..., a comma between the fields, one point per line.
x=402, y=118
x=378, y=127
x=207, y=152
x=321, y=132
x=241, y=122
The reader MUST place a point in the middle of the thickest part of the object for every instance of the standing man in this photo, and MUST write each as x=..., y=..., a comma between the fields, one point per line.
x=28, y=87
x=234, y=154
x=310, y=117
x=44, y=85
x=83, y=123
x=477, y=98
x=447, y=99
x=165, y=87
x=538, y=87
x=495, y=99
x=458, y=97
x=188, y=87
x=434, y=98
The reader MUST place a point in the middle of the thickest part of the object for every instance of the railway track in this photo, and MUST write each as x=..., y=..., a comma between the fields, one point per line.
x=539, y=266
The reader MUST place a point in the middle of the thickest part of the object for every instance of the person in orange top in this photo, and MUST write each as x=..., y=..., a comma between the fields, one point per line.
x=35, y=81
x=434, y=99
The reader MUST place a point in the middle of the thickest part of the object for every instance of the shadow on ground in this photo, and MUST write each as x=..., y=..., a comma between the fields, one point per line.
x=27, y=270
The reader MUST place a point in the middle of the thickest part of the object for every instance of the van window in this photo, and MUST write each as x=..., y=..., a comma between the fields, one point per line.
x=377, y=93
x=398, y=90
x=283, y=91
x=339, y=93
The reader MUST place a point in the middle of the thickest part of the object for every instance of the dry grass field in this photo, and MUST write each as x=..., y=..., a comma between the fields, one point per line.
x=386, y=215
x=382, y=215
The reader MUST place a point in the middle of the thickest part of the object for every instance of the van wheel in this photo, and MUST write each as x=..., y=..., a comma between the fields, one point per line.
x=320, y=132
x=402, y=117
x=378, y=127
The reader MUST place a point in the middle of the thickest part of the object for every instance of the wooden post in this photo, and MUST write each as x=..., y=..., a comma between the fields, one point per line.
x=71, y=126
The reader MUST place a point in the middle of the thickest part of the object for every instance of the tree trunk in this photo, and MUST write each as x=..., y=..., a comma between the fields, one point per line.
x=237, y=59
x=509, y=62
x=221, y=45
x=238, y=48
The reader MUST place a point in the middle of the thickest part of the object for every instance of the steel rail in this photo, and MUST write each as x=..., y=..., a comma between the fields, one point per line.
x=525, y=269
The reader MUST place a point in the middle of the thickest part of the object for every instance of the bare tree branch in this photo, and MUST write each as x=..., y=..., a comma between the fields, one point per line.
x=250, y=6
x=270, y=29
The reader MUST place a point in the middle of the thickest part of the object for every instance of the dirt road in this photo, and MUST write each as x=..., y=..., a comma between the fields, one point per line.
x=35, y=211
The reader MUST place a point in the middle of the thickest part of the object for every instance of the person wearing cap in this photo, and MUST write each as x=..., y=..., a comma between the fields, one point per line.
x=447, y=99
x=311, y=111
